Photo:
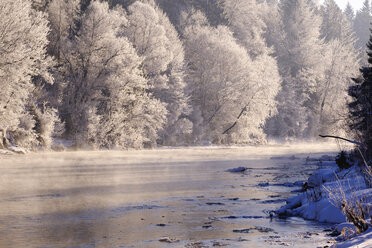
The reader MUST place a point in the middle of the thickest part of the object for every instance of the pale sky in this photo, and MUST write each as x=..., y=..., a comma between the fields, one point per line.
x=357, y=4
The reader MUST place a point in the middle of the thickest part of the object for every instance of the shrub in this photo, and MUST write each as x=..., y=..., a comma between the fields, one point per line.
x=344, y=160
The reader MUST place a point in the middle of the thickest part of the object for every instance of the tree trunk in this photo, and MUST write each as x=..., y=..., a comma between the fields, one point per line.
x=4, y=142
x=236, y=121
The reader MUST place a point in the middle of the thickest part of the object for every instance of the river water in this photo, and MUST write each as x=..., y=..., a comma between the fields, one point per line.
x=136, y=198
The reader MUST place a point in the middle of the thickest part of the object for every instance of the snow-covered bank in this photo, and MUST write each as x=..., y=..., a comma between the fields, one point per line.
x=57, y=145
x=13, y=150
x=317, y=202
x=363, y=240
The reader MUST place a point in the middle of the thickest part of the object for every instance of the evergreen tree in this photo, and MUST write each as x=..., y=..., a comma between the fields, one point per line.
x=361, y=106
x=361, y=28
x=349, y=12
x=302, y=45
x=299, y=60
x=335, y=24
x=273, y=32
x=340, y=62
x=175, y=9
x=244, y=19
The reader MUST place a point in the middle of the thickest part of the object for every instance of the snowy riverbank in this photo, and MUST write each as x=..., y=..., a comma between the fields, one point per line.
x=324, y=186
x=13, y=150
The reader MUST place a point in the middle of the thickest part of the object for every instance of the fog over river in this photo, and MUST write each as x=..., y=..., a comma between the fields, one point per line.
x=149, y=198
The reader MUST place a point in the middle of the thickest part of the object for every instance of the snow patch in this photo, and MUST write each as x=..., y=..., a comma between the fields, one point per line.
x=361, y=241
x=18, y=150
x=5, y=152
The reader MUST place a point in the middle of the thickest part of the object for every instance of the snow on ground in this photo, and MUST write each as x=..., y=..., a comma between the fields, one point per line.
x=13, y=150
x=362, y=241
x=18, y=149
x=7, y=152
x=316, y=202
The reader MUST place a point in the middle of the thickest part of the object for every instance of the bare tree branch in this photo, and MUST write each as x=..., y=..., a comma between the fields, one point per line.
x=336, y=137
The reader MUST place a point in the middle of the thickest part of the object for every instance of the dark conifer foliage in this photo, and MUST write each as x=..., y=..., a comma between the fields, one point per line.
x=361, y=106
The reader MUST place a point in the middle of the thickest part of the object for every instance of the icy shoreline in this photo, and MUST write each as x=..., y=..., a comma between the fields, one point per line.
x=315, y=202
x=13, y=150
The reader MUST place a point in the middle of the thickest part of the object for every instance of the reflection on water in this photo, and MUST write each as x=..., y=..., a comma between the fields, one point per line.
x=133, y=198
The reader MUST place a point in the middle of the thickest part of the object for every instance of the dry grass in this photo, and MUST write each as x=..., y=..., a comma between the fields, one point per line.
x=354, y=207
x=368, y=175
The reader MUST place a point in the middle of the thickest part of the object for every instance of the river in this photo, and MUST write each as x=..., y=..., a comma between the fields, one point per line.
x=136, y=198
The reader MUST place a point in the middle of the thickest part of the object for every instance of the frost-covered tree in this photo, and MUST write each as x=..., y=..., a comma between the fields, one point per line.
x=341, y=62
x=247, y=20
x=244, y=19
x=157, y=41
x=176, y=96
x=62, y=16
x=299, y=59
x=361, y=28
x=23, y=44
x=228, y=88
x=349, y=12
x=316, y=58
x=273, y=32
x=302, y=31
x=150, y=40
x=290, y=122
x=106, y=101
x=335, y=24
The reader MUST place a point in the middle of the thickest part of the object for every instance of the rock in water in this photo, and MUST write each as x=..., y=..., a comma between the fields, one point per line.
x=238, y=169
x=168, y=240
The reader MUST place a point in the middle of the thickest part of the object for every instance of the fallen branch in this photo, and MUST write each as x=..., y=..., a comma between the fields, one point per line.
x=336, y=137
x=351, y=141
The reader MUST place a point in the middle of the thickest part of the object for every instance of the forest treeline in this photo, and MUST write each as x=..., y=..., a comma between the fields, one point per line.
x=125, y=73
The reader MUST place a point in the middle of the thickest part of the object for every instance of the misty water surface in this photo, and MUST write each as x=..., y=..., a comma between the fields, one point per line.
x=134, y=198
